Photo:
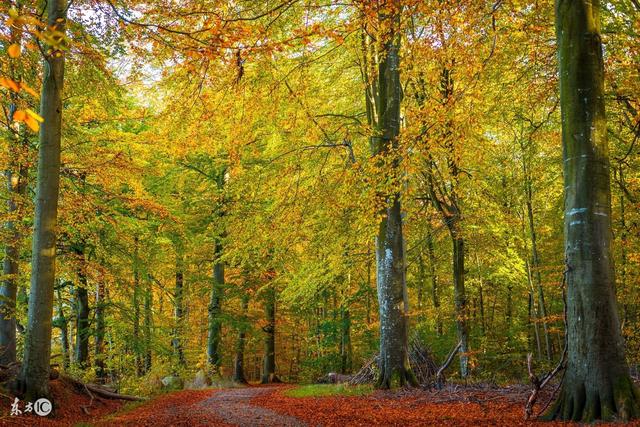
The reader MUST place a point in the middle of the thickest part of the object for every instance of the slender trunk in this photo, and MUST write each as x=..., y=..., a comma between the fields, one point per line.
x=460, y=299
x=434, y=280
x=215, y=309
x=345, y=340
x=535, y=260
x=533, y=312
x=62, y=323
x=238, y=363
x=148, y=319
x=81, y=352
x=178, y=312
x=269, y=361
x=100, y=330
x=34, y=377
x=137, y=342
x=597, y=384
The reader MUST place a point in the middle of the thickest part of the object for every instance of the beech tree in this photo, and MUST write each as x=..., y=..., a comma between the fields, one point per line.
x=597, y=383
x=383, y=100
x=34, y=377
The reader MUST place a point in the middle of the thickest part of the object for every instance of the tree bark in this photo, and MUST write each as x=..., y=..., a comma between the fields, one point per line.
x=34, y=377
x=62, y=323
x=137, y=342
x=100, y=331
x=215, y=309
x=597, y=384
x=435, y=297
x=148, y=319
x=238, y=363
x=81, y=353
x=345, y=340
x=383, y=100
x=269, y=361
x=535, y=258
x=460, y=299
x=178, y=313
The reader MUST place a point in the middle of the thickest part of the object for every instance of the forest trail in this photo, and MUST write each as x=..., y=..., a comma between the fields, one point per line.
x=226, y=407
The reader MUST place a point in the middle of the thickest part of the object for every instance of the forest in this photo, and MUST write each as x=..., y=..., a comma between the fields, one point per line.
x=323, y=212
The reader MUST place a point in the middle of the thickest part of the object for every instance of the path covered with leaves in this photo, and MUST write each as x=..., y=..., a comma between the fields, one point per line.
x=271, y=406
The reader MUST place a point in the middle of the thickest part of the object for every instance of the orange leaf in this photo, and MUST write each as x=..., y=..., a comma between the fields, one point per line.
x=14, y=50
x=28, y=89
x=19, y=116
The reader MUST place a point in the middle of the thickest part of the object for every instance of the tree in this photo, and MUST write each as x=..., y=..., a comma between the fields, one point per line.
x=34, y=376
x=597, y=384
x=383, y=99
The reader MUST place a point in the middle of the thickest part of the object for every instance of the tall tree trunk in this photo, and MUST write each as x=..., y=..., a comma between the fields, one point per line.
x=16, y=178
x=34, y=377
x=383, y=100
x=62, y=323
x=137, y=342
x=178, y=312
x=269, y=361
x=597, y=384
x=535, y=259
x=238, y=363
x=81, y=353
x=460, y=298
x=100, y=330
x=17, y=185
x=533, y=312
x=148, y=319
x=215, y=309
x=434, y=280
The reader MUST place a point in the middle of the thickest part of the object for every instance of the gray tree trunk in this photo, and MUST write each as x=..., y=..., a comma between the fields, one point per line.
x=215, y=309
x=597, y=384
x=238, y=363
x=61, y=322
x=383, y=100
x=269, y=360
x=148, y=319
x=34, y=377
x=100, y=330
x=81, y=353
x=178, y=313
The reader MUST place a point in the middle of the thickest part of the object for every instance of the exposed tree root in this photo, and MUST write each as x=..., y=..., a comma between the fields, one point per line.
x=618, y=403
x=402, y=377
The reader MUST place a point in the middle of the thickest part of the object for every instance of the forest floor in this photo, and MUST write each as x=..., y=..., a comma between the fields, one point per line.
x=273, y=406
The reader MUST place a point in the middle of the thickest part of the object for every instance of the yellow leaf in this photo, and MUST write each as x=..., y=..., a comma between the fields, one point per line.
x=32, y=123
x=34, y=115
x=14, y=50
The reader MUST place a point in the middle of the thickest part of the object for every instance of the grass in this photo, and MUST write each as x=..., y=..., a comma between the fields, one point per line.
x=323, y=390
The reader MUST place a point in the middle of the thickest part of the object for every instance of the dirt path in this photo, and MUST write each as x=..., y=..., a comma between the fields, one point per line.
x=235, y=407
x=228, y=407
